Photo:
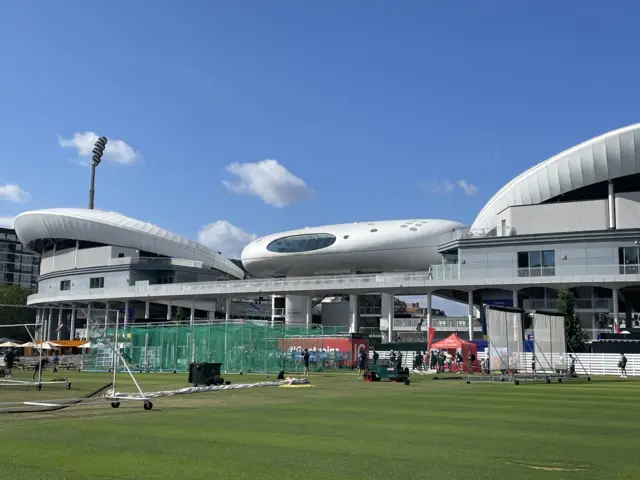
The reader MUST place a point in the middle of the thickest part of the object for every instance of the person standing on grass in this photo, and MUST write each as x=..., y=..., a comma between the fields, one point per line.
x=362, y=361
x=622, y=365
x=305, y=361
x=8, y=361
x=375, y=356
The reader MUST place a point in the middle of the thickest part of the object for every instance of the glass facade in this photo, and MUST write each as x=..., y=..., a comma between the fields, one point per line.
x=629, y=259
x=540, y=263
x=17, y=266
x=302, y=243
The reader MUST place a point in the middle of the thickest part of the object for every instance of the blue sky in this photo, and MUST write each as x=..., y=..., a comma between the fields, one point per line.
x=367, y=109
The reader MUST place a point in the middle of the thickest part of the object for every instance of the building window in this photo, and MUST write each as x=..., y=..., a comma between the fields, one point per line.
x=301, y=243
x=540, y=263
x=65, y=285
x=97, y=282
x=121, y=255
x=629, y=258
x=165, y=280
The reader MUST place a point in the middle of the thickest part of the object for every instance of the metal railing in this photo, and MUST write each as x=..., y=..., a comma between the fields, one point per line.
x=580, y=304
x=500, y=231
x=397, y=282
x=448, y=323
x=160, y=261
x=370, y=311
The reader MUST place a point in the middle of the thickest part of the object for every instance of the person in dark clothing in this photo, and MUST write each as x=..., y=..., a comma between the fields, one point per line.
x=39, y=368
x=305, y=360
x=622, y=365
x=375, y=356
x=417, y=363
x=362, y=362
x=9, y=358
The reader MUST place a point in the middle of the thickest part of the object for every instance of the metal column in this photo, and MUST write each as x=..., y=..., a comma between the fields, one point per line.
x=353, y=313
x=147, y=307
x=126, y=313
x=428, y=311
x=612, y=206
x=470, y=315
x=72, y=328
x=616, y=313
x=59, y=326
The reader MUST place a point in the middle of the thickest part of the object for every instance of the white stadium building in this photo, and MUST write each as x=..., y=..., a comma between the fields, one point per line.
x=572, y=221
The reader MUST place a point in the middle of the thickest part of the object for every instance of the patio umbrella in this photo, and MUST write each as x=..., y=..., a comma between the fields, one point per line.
x=9, y=345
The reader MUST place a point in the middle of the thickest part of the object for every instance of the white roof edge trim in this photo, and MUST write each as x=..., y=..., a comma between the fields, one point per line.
x=112, y=228
x=498, y=199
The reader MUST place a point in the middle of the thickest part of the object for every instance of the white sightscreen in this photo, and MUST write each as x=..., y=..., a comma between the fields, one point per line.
x=504, y=329
x=550, y=343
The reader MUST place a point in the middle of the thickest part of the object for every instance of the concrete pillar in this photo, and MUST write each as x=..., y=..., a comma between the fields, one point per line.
x=614, y=300
x=38, y=327
x=72, y=328
x=612, y=206
x=295, y=309
x=192, y=316
x=388, y=311
x=126, y=313
x=308, y=311
x=87, y=330
x=273, y=310
x=428, y=311
x=212, y=314
x=60, y=322
x=515, y=299
x=353, y=313
x=53, y=259
x=147, y=307
x=75, y=254
x=470, y=315
x=169, y=311
x=106, y=315
x=49, y=322
x=227, y=309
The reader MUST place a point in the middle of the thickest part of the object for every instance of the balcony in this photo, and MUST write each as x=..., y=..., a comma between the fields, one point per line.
x=451, y=324
x=601, y=304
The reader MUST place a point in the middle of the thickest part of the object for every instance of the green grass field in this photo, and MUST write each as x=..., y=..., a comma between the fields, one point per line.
x=340, y=429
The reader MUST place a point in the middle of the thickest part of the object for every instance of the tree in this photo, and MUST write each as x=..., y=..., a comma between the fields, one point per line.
x=575, y=335
x=13, y=310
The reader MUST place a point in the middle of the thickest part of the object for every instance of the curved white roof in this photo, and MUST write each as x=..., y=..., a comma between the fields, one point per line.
x=612, y=155
x=391, y=245
x=111, y=228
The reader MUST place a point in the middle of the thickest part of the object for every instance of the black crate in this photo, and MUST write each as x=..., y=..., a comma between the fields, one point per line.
x=205, y=374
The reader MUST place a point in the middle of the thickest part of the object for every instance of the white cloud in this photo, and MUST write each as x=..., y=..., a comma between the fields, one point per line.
x=468, y=188
x=270, y=181
x=116, y=151
x=14, y=193
x=445, y=187
x=7, y=222
x=223, y=237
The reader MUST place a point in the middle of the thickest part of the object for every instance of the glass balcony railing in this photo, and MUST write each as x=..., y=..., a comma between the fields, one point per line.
x=581, y=304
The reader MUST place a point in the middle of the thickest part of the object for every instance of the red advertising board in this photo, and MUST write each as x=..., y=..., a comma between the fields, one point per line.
x=347, y=346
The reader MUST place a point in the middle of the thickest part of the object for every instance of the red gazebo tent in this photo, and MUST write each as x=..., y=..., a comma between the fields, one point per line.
x=453, y=343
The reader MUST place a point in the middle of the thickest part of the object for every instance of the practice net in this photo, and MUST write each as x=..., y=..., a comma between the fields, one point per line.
x=240, y=347
x=550, y=343
x=506, y=347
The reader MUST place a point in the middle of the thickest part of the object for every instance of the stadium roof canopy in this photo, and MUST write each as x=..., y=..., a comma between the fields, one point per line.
x=111, y=228
x=612, y=155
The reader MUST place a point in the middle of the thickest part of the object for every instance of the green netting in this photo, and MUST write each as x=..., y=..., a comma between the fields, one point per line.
x=240, y=347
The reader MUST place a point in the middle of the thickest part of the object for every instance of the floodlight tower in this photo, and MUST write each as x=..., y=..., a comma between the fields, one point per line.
x=98, y=150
